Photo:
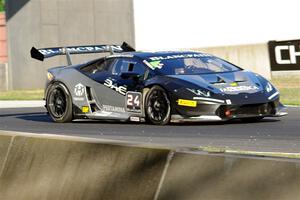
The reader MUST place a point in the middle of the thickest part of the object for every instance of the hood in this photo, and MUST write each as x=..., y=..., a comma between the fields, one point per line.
x=228, y=82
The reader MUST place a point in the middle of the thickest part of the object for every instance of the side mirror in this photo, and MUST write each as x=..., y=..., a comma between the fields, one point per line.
x=130, y=75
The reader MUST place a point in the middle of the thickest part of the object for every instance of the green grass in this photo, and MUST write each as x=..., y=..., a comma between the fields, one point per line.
x=2, y=2
x=22, y=95
x=289, y=88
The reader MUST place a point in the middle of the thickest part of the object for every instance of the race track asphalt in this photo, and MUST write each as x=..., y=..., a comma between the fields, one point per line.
x=271, y=134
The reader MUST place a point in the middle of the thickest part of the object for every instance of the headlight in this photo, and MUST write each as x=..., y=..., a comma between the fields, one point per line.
x=49, y=76
x=200, y=92
x=269, y=87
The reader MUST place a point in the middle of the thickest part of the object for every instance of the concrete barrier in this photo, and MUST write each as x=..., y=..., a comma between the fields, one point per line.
x=58, y=167
x=205, y=176
x=4, y=146
x=46, y=168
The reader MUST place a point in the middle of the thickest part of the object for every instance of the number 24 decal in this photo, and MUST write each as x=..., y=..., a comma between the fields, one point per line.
x=133, y=101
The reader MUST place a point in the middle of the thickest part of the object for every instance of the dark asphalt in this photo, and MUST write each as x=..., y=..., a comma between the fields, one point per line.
x=271, y=134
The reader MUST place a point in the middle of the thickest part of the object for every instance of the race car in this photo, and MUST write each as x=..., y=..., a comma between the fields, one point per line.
x=157, y=87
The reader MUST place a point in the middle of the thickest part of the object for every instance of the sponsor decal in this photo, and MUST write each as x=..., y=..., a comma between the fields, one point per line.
x=185, y=102
x=120, y=89
x=78, y=99
x=85, y=109
x=153, y=65
x=192, y=55
x=134, y=101
x=135, y=119
x=120, y=56
x=239, y=88
x=269, y=87
x=81, y=49
x=79, y=90
x=284, y=55
x=228, y=101
x=199, y=92
x=208, y=99
x=234, y=84
x=110, y=108
x=103, y=114
x=156, y=64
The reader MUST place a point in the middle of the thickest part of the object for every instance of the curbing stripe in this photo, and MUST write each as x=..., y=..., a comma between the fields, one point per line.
x=251, y=153
x=21, y=104
x=266, y=154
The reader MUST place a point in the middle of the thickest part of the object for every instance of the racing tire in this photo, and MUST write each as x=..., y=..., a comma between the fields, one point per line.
x=252, y=119
x=59, y=103
x=157, y=107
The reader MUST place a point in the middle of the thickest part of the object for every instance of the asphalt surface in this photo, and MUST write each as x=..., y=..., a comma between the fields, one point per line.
x=271, y=134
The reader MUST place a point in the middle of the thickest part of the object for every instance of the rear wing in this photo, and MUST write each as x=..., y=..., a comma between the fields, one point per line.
x=41, y=54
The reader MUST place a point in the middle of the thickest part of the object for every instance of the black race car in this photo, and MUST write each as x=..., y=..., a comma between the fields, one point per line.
x=159, y=87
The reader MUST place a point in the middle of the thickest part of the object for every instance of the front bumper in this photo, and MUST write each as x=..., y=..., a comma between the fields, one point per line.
x=223, y=112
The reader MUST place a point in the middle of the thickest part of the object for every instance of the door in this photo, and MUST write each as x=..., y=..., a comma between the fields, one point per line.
x=114, y=88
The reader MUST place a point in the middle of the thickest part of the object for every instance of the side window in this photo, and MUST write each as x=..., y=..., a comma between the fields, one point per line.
x=126, y=65
x=138, y=68
x=121, y=65
x=97, y=66
x=103, y=66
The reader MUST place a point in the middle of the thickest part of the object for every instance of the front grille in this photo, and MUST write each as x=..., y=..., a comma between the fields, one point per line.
x=246, y=110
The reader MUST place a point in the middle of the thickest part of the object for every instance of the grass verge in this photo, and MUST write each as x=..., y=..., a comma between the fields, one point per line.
x=289, y=88
x=22, y=95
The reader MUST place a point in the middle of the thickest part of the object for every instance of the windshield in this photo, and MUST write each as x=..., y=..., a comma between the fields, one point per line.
x=191, y=65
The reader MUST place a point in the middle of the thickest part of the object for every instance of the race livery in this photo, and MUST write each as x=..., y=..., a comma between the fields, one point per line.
x=159, y=87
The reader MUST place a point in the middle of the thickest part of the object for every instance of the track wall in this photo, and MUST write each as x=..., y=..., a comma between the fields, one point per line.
x=55, y=167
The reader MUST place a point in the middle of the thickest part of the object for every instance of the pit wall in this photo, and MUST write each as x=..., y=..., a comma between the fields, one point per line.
x=55, y=167
x=254, y=57
x=3, y=76
x=45, y=23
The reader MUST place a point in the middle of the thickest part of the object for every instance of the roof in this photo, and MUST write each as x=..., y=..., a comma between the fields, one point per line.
x=147, y=55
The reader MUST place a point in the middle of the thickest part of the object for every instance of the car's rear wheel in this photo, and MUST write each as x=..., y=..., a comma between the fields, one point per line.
x=157, y=107
x=59, y=103
x=252, y=119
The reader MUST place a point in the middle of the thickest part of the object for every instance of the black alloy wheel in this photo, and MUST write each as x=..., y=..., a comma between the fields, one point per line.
x=59, y=103
x=158, y=107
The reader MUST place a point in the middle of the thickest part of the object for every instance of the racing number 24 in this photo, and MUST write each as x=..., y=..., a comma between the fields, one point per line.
x=133, y=101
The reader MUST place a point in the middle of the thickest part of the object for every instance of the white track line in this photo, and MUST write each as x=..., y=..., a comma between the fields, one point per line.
x=21, y=104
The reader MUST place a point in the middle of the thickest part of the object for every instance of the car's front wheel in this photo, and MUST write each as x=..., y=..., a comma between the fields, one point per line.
x=158, y=109
x=59, y=103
